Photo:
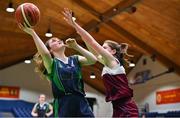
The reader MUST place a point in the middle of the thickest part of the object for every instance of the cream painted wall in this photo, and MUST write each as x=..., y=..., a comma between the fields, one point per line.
x=23, y=76
x=146, y=92
x=101, y=108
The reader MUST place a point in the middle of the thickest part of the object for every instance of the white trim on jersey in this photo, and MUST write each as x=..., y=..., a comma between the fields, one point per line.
x=118, y=69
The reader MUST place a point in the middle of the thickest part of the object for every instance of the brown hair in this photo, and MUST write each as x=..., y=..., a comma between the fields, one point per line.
x=121, y=50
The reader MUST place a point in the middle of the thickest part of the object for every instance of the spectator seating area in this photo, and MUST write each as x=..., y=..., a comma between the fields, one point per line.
x=19, y=108
x=167, y=114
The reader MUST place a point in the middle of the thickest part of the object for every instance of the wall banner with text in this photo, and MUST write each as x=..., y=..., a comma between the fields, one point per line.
x=168, y=96
x=9, y=92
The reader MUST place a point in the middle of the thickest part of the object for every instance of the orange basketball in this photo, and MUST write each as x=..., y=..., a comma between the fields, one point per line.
x=27, y=13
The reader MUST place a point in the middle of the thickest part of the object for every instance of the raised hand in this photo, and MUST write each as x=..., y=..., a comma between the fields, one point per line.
x=71, y=43
x=68, y=16
x=25, y=28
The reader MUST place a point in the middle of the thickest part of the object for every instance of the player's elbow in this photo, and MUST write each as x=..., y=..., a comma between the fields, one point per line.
x=93, y=60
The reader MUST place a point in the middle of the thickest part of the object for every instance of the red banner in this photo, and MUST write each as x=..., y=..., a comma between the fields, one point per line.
x=168, y=96
x=9, y=92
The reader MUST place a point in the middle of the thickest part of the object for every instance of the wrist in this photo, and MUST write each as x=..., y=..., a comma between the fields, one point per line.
x=75, y=25
x=47, y=114
x=35, y=114
x=76, y=47
x=32, y=33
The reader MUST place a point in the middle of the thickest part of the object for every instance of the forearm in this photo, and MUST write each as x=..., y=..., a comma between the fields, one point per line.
x=49, y=113
x=34, y=114
x=88, y=55
x=92, y=50
x=42, y=49
x=86, y=37
x=94, y=46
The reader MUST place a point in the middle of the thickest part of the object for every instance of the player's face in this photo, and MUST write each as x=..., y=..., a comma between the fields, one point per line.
x=42, y=98
x=56, y=44
x=107, y=48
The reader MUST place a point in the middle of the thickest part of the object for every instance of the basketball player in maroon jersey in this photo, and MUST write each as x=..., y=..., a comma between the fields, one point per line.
x=110, y=54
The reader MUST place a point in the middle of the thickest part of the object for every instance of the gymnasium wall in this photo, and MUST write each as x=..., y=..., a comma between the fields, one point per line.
x=146, y=92
x=22, y=75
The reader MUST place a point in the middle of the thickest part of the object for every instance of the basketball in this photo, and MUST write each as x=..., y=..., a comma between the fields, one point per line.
x=27, y=13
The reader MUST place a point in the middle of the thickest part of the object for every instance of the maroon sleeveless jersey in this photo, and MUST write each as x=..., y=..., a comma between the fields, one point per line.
x=118, y=91
x=116, y=83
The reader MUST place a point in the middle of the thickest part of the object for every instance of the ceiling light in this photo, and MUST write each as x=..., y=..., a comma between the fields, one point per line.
x=92, y=76
x=131, y=64
x=10, y=7
x=27, y=61
x=48, y=33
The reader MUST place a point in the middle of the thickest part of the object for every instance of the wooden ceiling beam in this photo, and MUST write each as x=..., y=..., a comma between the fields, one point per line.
x=88, y=27
x=122, y=6
x=149, y=50
x=8, y=35
x=8, y=41
x=105, y=17
x=102, y=17
x=87, y=7
x=16, y=61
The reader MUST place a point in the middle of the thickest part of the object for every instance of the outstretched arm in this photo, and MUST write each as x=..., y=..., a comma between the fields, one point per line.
x=42, y=49
x=92, y=44
x=87, y=59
